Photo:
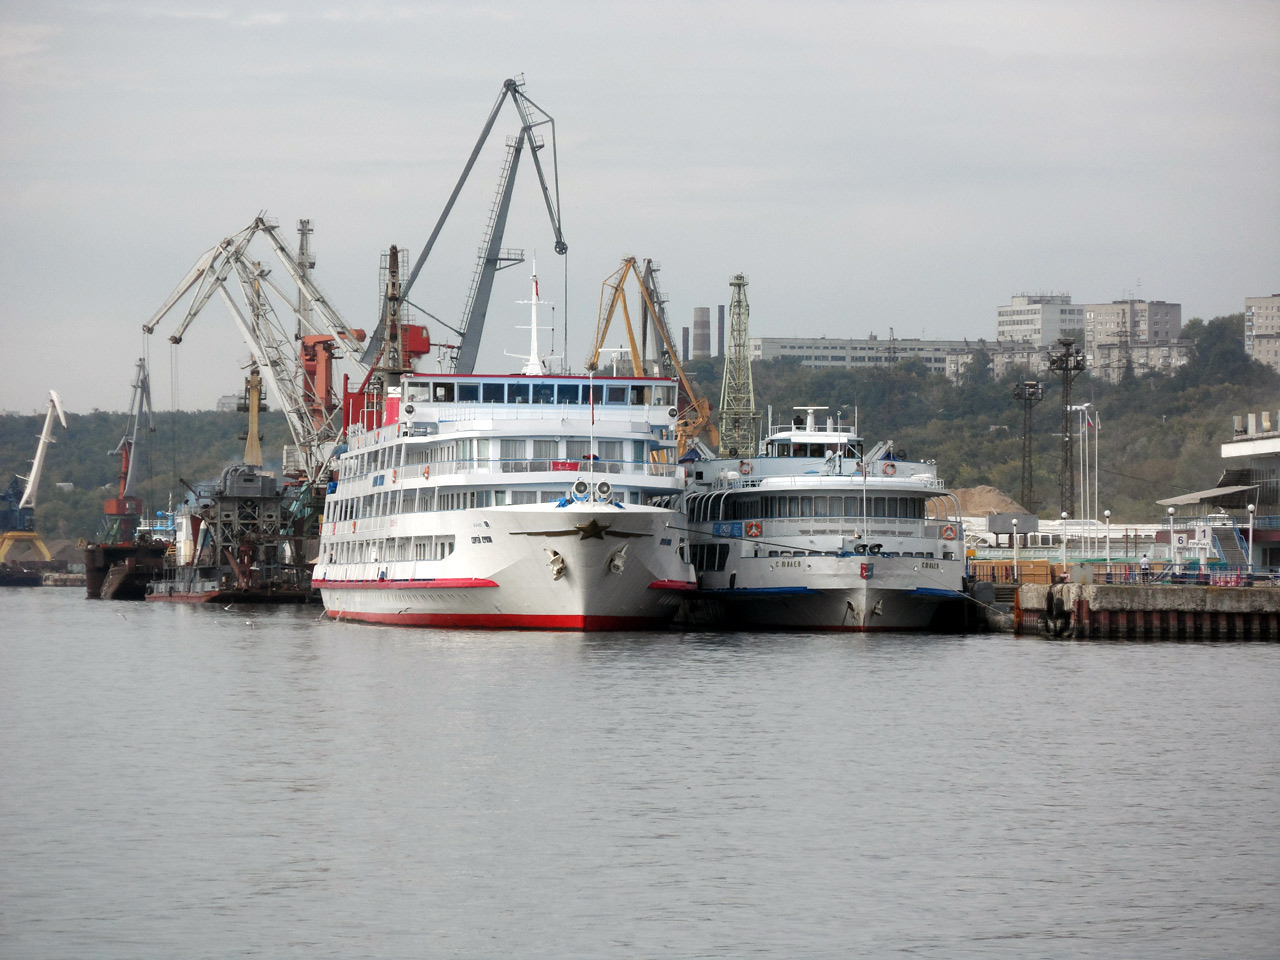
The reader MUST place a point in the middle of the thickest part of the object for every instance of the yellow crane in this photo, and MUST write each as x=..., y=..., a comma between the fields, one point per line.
x=693, y=422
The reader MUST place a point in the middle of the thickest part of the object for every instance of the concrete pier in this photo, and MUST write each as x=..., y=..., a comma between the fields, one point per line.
x=1148, y=611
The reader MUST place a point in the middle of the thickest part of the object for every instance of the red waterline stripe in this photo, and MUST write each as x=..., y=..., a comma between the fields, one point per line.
x=504, y=621
x=673, y=585
x=440, y=584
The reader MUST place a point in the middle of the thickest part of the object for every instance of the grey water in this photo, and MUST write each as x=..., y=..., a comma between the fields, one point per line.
x=253, y=782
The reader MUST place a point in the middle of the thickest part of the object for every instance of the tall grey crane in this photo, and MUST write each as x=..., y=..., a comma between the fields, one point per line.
x=492, y=256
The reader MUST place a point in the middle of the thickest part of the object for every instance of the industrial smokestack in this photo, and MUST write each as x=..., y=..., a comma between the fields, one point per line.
x=720, y=342
x=701, y=333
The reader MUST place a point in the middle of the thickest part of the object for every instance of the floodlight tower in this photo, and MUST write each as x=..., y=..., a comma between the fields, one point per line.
x=737, y=396
x=1068, y=362
x=1028, y=393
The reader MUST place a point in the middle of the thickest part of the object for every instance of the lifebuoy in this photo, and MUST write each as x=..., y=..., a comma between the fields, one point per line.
x=754, y=529
x=426, y=472
x=353, y=526
x=393, y=476
x=948, y=532
x=890, y=469
x=744, y=467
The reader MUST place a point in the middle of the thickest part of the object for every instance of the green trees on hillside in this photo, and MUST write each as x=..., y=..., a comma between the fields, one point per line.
x=1159, y=437
x=196, y=446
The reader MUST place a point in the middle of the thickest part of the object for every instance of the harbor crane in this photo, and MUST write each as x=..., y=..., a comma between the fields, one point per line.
x=693, y=421
x=492, y=256
x=18, y=503
x=300, y=376
x=124, y=510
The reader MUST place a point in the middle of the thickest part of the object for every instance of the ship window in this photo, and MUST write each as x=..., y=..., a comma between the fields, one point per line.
x=783, y=450
x=492, y=392
x=610, y=450
x=545, y=450
x=637, y=451
x=877, y=506
x=524, y=496
x=616, y=395
x=663, y=396
x=517, y=393
x=891, y=507
x=793, y=506
x=544, y=393
x=499, y=498
x=577, y=449
x=853, y=506
x=596, y=393
x=806, y=506
x=567, y=393
x=469, y=392
x=444, y=392
x=820, y=507
x=637, y=395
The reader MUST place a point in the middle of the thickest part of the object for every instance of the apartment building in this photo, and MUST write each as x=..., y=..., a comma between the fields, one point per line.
x=1262, y=329
x=1108, y=361
x=1038, y=319
x=1131, y=321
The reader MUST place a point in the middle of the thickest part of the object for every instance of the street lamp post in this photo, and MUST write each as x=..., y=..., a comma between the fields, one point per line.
x=1252, y=508
x=1015, y=549
x=1064, y=541
x=1107, y=514
x=1172, y=562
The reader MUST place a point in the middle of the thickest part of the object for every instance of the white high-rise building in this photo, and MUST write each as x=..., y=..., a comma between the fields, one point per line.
x=1039, y=319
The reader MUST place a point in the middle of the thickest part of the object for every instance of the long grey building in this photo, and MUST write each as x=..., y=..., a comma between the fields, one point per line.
x=855, y=354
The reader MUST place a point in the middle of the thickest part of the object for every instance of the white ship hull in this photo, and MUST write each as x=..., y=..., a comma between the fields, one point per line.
x=831, y=593
x=813, y=534
x=584, y=566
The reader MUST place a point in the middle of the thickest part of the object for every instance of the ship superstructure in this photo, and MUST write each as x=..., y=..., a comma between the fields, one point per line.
x=815, y=533
x=522, y=500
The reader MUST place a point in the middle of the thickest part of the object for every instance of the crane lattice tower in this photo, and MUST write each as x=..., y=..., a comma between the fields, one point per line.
x=737, y=395
x=1069, y=363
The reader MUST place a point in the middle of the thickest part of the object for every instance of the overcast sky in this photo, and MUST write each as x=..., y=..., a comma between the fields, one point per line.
x=867, y=164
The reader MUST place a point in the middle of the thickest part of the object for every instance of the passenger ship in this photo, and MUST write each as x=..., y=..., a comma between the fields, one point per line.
x=517, y=501
x=813, y=533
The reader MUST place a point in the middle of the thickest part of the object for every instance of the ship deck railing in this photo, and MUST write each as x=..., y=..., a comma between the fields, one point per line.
x=1128, y=571
x=558, y=468
x=850, y=481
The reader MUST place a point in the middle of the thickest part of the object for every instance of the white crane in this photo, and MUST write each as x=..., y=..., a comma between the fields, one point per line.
x=313, y=418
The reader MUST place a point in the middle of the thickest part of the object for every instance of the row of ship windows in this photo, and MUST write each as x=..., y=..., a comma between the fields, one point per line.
x=707, y=507
x=837, y=358
x=396, y=502
x=448, y=391
x=391, y=549
x=469, y=450
x=713, y=556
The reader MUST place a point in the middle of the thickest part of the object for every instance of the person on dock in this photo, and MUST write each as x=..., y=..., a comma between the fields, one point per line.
x=1145, y=565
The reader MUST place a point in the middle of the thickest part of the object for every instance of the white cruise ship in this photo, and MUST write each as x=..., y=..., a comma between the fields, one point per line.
x=814, y=534
x=515, y=501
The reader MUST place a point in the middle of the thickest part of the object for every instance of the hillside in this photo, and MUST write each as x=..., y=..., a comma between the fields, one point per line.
x=195, y=446
x=1159, y=436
